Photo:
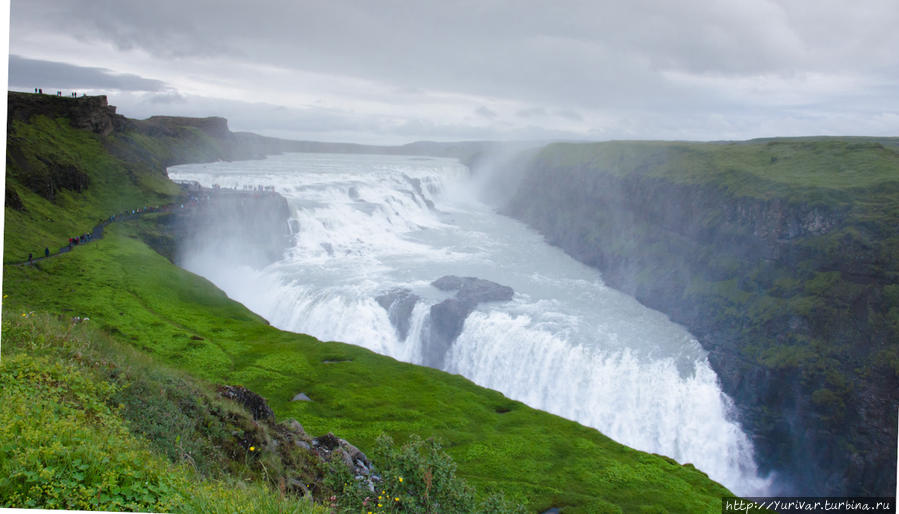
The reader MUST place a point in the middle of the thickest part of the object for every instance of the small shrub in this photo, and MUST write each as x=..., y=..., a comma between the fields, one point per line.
x=417, y=477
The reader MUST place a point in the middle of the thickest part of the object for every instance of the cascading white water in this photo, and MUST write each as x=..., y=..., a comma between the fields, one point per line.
x=365, y=225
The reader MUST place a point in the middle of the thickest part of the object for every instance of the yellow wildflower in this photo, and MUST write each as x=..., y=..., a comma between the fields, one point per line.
x=401, y=479
x=252, y=448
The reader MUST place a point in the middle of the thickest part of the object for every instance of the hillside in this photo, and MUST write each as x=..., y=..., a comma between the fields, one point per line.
x=780, y=256
x=166, y=340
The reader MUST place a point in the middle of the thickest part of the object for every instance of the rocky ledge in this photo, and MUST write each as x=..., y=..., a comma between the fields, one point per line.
x=447, y=318
x=289, y=443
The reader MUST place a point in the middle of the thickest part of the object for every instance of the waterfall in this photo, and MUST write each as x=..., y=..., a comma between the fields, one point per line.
x=367, y=227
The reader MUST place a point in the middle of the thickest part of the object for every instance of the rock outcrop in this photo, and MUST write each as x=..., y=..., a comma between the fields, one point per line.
x=447, y=318
x=255, y=404
x=399, y=304
x=91, y=113
x=290, y=446
x=238, y=227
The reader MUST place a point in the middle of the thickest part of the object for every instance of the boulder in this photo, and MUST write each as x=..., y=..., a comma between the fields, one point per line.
x=294, y=426
x=473, y=289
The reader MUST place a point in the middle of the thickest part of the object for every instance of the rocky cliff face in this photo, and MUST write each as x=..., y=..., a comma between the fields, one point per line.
x=86, y=112
x=239, y=227
x=793, y=295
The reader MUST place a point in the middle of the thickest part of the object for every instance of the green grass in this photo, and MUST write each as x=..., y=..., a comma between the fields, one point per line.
x=753, y=168
x=69, y=443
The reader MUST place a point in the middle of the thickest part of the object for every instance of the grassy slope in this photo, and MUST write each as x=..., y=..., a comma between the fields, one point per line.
x=114, y=187
x=139, y=298
x=75, y=406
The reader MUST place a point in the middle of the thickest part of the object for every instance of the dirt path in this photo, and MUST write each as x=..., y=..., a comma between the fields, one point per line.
x=97, y=232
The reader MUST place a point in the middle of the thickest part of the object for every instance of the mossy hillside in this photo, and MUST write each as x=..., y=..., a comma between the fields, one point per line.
x=72, y=439
x=138, y=297
x=778, y=254
x=36, y=152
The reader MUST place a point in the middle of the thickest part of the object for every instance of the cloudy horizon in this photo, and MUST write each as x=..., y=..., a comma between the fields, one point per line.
x=395, y=72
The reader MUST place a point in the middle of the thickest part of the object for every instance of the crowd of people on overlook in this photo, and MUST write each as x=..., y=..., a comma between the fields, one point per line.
x=246, y=188
x=73, y=94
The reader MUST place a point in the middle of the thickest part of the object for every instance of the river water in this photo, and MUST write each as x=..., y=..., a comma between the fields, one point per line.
x=364, y=225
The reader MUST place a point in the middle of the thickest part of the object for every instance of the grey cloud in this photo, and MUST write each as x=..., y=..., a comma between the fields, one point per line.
x=574, y=58
x=30, y=73
x=587, y=53
x=171, y=97
x=569, y=114
x=531, y=112
x=484, y=112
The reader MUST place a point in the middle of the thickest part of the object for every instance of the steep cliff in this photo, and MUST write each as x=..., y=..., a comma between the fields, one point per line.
x=780, y=256
x=235, y=227
x=86, y=112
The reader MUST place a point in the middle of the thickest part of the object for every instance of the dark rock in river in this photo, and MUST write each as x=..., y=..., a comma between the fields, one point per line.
x=474, y=289
x=399, y=304
x=448, y=317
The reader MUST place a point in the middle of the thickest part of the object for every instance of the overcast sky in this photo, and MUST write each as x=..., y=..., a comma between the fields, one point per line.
x=394, y=71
